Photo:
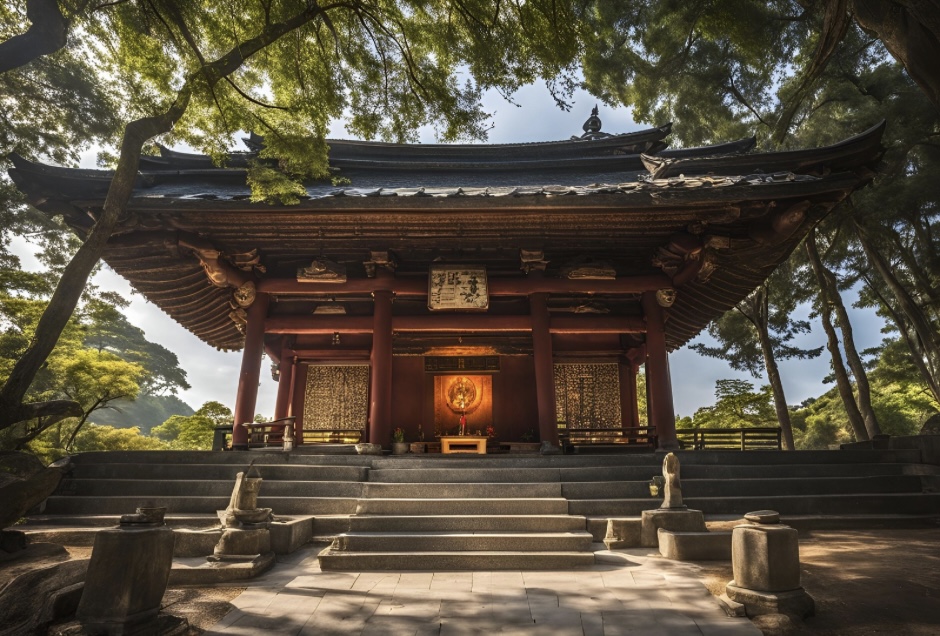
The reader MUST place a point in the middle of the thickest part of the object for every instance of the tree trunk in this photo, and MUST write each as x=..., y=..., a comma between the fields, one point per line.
x=910, y=30
x=906, y=303
x=75, y=276
x=829, y=294
x=838, y=367
x=913, y=343
x=759, y=318
x=47, y=34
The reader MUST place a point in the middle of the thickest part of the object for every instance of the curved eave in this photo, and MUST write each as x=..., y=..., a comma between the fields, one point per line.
x=862, y=149
x=641, y=219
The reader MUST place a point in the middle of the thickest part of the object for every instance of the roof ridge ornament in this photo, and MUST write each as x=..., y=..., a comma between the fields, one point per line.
x=592, y=128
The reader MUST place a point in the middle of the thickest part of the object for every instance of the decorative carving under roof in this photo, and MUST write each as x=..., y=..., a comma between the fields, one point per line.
x=322, y=270
x=380, y=258
x=533, y=260
x=666, y=297
x=475, y=203
x=245, y=295
x=586, y=268
x=330, y=308
x=592, y=307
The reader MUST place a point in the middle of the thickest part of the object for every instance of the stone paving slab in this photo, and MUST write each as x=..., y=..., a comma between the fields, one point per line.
x=633, y=593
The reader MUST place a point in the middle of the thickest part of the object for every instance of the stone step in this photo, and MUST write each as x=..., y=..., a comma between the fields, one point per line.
x=462, y=542
x=238, y=458
x=464, y=475
x=446, y=561
x=475, y=474
x=750, y=471
x=98, y=505
x=184, y=520
x=752, y=487
x=468, y=523
x=189, y=472
x=686, y=458
x=459, y=490
x=205, y=488
x=489, y=506
x=863, y=503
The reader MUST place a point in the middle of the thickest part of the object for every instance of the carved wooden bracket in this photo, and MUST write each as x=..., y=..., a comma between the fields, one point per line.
x=380, y=258
x=681, y=258
x=219, y=272
x=532, y=260
x=780, y=225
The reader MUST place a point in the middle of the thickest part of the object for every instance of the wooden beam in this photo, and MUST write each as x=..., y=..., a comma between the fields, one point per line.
x=497, y=286
x=459, y=323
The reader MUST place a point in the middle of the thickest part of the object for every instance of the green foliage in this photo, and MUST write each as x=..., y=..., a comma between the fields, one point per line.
x=106, y=438
x=712, y=68
x=900, y=399
x=196, y=431
x=737, y=405
x=146, y=412
x=108, y=329
x=272, y=186
x=50, y=445
x=768, y=312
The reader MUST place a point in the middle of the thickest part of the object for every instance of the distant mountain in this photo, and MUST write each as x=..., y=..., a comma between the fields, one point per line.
x=145, y=412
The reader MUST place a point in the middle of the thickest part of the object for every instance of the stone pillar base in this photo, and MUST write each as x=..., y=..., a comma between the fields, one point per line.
x=675, y=519
x=796, y=601
x=240, y=544
x=623, y=533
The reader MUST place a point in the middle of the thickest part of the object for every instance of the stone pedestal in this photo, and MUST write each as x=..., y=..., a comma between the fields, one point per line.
x=126, y=580
x=623, y=533
x=242, y=544
x=765, y=562
x=677, y=520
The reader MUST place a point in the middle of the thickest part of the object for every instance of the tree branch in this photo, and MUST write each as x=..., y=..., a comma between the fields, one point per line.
x=47, y=34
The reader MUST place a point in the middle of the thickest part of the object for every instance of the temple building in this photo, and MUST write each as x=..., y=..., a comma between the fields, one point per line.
x=519, y=286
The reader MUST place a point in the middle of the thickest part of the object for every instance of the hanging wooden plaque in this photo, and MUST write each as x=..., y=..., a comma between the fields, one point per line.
x=457, y=288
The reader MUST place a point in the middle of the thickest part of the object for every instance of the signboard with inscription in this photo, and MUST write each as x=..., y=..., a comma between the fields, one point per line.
x=457, y=287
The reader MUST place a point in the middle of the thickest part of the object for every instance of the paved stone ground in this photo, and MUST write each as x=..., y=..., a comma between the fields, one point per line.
x=632, y=593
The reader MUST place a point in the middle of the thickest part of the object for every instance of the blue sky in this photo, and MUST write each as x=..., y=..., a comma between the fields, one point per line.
x=214, y=374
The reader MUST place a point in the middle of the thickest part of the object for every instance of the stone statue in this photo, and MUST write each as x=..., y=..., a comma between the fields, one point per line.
x=672, y=489
x=243, y=505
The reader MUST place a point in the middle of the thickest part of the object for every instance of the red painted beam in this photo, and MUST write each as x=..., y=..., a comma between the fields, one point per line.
x=497, y=286
x=463, y=323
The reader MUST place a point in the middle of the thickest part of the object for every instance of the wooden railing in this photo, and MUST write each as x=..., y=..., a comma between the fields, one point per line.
x=730, y=438
x=638, y=437
x=333, y=436
x=269, y=434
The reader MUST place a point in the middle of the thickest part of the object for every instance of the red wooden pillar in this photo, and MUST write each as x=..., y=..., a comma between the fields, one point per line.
x=284, y=384
x=250, y=373
x=544, y=368
x=629, y=409
x=297, y=399
x=658, y=382
x=380, y=393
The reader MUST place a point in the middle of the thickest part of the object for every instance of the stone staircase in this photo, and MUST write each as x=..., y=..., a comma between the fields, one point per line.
x=487, y=512
x=456, y=525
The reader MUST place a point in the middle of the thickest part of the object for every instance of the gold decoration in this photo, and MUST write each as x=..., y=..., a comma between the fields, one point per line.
x=458, y=287
x=245, y=295
x=588, y=395
x=463, y=396
x=586, y=268
x=322, y=270
x=533, y=260
x=666, y=297
x=336, y=397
